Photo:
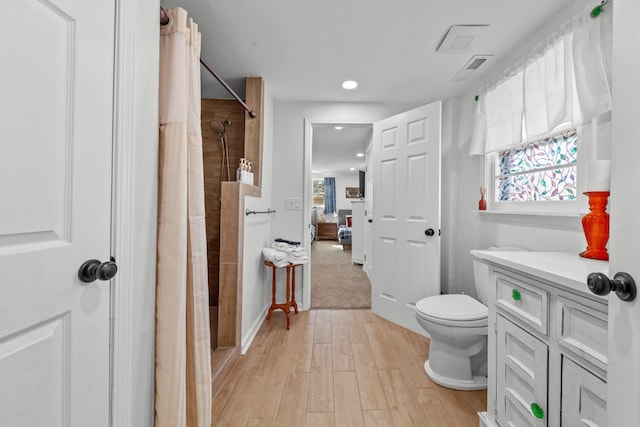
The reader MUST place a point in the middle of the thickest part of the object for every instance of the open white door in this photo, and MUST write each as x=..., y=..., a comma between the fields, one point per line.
x=368, y=209
x=623, y=369
x=55, y=195
x=406, y=213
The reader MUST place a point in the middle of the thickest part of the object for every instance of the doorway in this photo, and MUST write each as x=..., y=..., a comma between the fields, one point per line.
x=337, y=157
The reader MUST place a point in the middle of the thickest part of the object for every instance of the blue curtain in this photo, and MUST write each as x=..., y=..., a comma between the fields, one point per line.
x=329, y=195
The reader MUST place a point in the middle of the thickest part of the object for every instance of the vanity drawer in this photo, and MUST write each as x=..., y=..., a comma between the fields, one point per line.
x=523, y=300
x=583, y=330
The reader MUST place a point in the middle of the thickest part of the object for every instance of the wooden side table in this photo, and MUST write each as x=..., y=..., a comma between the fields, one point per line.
x=327, y=231
x=290, y=291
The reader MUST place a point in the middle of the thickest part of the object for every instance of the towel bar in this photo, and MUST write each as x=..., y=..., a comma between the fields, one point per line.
x=268, y=211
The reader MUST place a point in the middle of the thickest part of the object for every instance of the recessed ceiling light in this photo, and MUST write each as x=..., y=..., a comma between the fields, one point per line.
x=350, y=84
x=360, y=154
x=352, y=169
x=337, y=127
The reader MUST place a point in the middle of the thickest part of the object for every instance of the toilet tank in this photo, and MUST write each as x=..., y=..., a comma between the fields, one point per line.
x=481, y=271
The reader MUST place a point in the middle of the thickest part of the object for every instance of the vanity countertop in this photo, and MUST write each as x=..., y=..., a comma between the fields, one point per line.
x=568, y=270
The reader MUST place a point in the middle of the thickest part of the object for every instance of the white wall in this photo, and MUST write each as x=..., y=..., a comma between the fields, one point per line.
x=288, y=149
x=449, y=183
x=467, y=174
x=256, y=292
x=133, y=401
x=288, y=155
x=472, y=231
x=343, y=180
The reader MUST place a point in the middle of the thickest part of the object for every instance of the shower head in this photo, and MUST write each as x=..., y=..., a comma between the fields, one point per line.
x=217, y=127
x=220, y=127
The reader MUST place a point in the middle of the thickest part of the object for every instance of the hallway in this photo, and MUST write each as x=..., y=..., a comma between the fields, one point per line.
x=337, y=283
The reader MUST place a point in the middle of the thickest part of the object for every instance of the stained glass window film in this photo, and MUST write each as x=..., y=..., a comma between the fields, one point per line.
x=542, y=171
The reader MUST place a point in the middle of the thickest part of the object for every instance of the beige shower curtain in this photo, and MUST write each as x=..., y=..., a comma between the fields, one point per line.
x=183, y=349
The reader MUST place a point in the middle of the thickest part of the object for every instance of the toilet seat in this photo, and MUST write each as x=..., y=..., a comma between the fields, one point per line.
x=454, y=310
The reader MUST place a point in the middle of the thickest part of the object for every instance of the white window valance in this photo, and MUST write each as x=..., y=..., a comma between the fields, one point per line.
x=563, y=83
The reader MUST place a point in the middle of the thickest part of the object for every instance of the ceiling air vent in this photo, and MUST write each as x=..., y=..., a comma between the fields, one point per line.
x=474, y=63
x=461, y=38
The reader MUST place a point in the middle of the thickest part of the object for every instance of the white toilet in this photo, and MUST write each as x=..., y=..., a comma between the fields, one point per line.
x=457, y=325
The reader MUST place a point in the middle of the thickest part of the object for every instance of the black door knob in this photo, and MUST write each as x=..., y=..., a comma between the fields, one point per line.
x=107, y=270
x=93, y=269
x=622, y=284
x=429, y=232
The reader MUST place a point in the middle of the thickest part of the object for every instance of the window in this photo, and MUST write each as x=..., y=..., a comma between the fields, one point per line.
x=542, y=171
x=541, y=182
x=318, y=192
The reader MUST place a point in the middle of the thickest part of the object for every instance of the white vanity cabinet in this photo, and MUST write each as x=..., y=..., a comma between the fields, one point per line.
x=547, y=341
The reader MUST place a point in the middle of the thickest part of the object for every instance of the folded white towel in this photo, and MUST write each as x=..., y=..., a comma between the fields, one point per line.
x=301, y=260
x=285, y=247
x=278, y=258
x=281, y=256
x=297, y=255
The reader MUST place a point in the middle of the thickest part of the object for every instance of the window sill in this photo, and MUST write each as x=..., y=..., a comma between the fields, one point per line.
x=562, y=220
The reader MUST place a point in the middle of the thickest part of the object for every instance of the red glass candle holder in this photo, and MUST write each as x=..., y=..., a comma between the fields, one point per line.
x=596, y=226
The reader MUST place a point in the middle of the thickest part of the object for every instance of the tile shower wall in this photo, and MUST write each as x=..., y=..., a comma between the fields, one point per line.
x=218, y=110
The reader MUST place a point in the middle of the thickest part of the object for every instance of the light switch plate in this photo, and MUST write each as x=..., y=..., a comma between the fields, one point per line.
x=292, y=203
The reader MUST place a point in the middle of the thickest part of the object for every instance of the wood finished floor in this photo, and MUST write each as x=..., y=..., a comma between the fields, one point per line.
x=339, y=368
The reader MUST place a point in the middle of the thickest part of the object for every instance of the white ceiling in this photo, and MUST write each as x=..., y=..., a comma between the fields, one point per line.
x=304, y=49
x=335, y=150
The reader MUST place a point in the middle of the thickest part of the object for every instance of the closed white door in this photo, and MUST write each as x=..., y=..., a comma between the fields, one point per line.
x=55, y=203
x=406, y=213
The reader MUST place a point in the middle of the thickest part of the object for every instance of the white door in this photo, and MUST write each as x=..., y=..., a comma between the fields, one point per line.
x=623, y=368
x=55, y=202
x=406, y=213
x=368, y=209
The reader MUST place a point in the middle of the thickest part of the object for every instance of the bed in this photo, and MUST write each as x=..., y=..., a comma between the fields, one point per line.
x=344, y=237
x=344, y=228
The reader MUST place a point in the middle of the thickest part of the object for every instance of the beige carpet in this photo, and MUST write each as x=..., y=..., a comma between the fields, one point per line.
x=335, y=281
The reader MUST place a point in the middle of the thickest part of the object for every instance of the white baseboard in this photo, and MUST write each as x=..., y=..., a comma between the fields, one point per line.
x=253, y=331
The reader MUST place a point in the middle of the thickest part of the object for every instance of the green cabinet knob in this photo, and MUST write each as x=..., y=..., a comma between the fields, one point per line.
x=538, y=412
x=515, y=294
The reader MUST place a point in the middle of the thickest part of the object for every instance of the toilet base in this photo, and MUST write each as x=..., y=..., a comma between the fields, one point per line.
x=477, y=383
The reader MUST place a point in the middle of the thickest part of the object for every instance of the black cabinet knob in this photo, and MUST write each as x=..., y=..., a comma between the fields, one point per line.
x=93, y=269
x=429, y=232
x=622, y=284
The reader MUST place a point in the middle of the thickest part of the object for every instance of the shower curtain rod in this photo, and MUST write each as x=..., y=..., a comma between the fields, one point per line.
x=164, y=20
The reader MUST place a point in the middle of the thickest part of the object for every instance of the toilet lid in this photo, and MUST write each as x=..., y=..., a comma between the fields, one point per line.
x=452, y=307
